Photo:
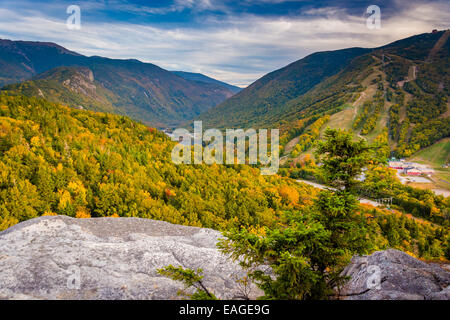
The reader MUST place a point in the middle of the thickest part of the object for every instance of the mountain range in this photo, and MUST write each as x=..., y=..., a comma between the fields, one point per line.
x=140, y=90
x=396, y=94
x=57, y=159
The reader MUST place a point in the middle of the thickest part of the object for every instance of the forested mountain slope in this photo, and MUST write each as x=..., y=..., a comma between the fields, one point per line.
x=60, y=160
x=397, y=93
x=56, y=159
x=72, y=86
x=255, y=105
x=143, y=91
x=202, y=78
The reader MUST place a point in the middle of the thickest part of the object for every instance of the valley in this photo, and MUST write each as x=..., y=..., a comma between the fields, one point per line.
x=86, y=150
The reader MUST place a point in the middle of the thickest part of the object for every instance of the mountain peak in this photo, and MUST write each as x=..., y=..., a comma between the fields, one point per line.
x=21, y=44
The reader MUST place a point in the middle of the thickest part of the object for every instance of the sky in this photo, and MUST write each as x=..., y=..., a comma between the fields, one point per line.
x=232, y=41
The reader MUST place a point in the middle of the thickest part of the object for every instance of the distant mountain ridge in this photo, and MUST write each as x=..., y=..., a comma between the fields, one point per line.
x=202, y=78
x=21, y=60
x=140, y=90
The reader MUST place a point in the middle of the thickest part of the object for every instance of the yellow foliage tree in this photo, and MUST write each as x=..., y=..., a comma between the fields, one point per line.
x=82, y=213
x=289, y=195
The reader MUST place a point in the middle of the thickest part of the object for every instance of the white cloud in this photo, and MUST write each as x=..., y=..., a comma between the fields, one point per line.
x=234, y=49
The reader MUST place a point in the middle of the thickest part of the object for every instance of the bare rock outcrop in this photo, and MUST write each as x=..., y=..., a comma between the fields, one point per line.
x=395, y=275
x=57, y=257
x=82, y=82
x=109, y=258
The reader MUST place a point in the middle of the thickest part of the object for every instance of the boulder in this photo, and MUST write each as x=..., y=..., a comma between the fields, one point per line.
x=58, y=257
x=394, y=275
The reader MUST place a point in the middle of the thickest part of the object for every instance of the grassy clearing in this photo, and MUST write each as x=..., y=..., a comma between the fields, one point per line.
x=435, y=155
x=382, y=123
x=343, y=119
x=441, y=179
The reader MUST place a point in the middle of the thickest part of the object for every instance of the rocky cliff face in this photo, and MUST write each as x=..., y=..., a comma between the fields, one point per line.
x=116, y=258
x=108, y=258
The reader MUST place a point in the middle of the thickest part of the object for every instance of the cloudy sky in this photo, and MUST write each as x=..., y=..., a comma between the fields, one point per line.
x=233, y=41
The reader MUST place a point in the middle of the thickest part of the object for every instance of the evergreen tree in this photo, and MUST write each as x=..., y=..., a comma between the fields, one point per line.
x=308, y=251
x=342, y=158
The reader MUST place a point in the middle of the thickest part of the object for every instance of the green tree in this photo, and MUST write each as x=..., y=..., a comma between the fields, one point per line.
x=447, y=248
x=303, y=257
x=191, y=279
x=342, y=158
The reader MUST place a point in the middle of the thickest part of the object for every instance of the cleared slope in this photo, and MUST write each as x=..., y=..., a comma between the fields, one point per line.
x=437, y=154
